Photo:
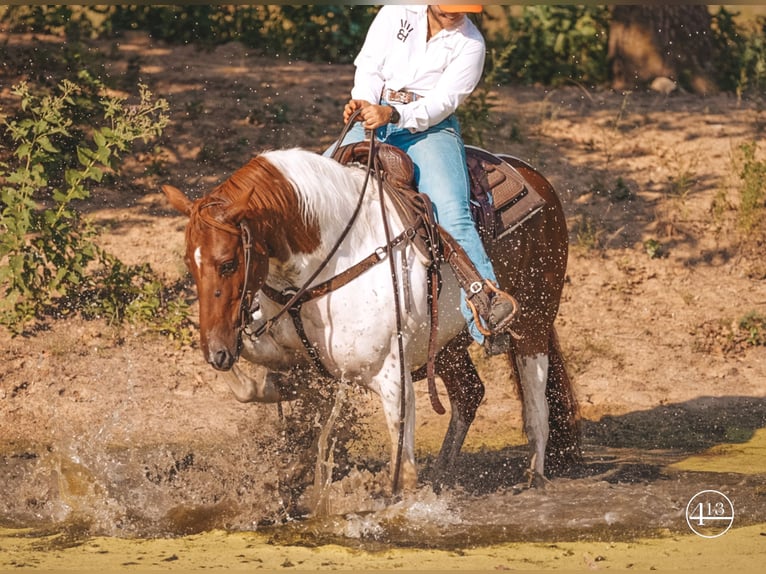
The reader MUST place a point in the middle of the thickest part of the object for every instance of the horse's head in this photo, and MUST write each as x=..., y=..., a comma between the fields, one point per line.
x=228, y=265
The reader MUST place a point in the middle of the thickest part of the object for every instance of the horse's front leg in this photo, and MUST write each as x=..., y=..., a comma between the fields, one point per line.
x=388, y=383
x=265, y=386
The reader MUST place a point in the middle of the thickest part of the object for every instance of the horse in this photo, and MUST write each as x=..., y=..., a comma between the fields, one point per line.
x=292, y=218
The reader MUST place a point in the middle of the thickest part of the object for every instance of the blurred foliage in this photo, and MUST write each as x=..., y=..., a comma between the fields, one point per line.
x=555, y=45
x=474, y=115
x=552, y=45
x=57, y=147
x=315, y=33
x=740, y=58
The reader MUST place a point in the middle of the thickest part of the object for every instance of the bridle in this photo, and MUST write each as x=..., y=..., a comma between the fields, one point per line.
x=291, y=300
x=248, y=304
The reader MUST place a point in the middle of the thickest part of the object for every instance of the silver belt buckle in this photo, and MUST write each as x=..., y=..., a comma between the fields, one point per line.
x=400, y=97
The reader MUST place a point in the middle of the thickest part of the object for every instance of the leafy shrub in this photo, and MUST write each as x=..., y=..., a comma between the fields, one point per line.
x=740, y=55
x=752, y=209
x=60, y=145
x=553, y=45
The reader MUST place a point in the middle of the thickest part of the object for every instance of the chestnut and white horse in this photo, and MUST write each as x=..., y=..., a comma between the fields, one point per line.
x=272, y=226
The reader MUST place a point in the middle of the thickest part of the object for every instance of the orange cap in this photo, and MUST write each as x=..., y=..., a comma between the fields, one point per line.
x=461, y=7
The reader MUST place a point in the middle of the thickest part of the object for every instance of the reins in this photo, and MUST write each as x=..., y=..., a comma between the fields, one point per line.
x=291, y=300
x=399, y=341
x=302, y=291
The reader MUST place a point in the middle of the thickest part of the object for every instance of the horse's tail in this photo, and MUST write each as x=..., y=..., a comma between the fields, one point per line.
x=564, y=450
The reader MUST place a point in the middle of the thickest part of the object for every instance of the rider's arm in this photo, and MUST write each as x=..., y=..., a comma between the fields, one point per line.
x=393, y=56
x=448, y=87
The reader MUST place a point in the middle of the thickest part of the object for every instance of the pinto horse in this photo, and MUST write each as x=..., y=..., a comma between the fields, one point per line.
x=275, y=225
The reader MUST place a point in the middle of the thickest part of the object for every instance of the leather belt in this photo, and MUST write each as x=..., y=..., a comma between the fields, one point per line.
x=400, y=97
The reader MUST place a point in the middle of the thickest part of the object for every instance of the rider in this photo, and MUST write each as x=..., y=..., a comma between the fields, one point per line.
x=418, y=63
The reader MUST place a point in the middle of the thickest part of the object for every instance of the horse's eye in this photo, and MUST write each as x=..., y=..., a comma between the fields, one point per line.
x=228, y=268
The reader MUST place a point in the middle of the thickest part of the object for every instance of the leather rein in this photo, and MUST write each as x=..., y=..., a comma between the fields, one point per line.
x=292, y=299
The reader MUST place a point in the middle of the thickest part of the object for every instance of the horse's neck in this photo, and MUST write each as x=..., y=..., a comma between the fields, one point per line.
x=326, y=193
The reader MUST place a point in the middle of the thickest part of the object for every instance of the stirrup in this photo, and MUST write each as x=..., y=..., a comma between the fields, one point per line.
x=505, y=323
x=502, y=311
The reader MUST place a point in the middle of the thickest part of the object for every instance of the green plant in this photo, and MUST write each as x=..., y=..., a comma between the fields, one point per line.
x=731, y=337
x=118, y=292
x=654, y=249
x=752, y=208
x=740, y=55
x=588, y=233
x=753, y=325
x=553, y=45
x=49, y=260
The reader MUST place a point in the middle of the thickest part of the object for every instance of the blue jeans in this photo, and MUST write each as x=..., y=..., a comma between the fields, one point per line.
x=441, y=173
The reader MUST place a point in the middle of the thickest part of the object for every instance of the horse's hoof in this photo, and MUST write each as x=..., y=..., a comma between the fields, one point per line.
x=497, y=344
x=534, y=480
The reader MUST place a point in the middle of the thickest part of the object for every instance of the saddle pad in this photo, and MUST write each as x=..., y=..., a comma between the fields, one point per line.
x=501, y=197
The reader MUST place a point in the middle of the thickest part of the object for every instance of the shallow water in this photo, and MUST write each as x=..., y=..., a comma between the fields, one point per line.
x=107, y=499
x=619, y=495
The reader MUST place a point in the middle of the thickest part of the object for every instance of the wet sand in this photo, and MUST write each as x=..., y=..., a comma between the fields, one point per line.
x=742, y=548
x=739, y=549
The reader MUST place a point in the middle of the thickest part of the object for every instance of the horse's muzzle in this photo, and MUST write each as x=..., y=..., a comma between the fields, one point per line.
x=222, y=359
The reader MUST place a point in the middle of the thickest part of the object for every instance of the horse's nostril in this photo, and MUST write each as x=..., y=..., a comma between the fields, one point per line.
x=222, y=360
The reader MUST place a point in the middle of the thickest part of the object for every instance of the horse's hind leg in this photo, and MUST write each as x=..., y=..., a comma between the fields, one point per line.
x=549, y=409
x=465, y=391
x=532, y=375
x=564, y=451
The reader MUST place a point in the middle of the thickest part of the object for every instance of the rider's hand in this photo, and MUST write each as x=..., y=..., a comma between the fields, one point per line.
x=351, y=107
x=372, y=116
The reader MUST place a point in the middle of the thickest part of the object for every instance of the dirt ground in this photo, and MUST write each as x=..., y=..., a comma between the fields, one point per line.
x=121, y=433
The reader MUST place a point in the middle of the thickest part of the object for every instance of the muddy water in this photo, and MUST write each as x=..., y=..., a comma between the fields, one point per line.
x=625, y=508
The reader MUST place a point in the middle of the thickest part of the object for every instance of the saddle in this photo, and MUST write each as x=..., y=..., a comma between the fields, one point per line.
x=501, y=199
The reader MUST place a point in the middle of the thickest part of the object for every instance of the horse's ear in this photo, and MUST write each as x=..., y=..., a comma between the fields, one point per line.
x=178, y=199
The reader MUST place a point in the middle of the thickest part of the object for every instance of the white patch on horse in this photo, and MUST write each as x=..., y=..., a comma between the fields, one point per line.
x=198, y=257
x=534, y=376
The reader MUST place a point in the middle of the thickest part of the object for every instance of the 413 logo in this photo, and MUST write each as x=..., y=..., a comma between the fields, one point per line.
x=709, y=513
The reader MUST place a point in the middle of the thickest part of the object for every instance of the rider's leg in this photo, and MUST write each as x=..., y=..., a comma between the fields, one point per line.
x=441, y=173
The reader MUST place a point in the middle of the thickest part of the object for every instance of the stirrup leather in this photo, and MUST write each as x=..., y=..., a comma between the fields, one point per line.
x=479, y=291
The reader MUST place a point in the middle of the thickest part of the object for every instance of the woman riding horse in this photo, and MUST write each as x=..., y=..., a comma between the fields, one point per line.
x=417, y=65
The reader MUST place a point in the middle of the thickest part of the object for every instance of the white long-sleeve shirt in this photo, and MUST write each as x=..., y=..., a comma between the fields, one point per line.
x=397, y=55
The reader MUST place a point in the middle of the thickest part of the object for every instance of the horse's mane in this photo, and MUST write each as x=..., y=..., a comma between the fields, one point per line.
x=294, y=182
x=262, y=182
x=327, y=190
